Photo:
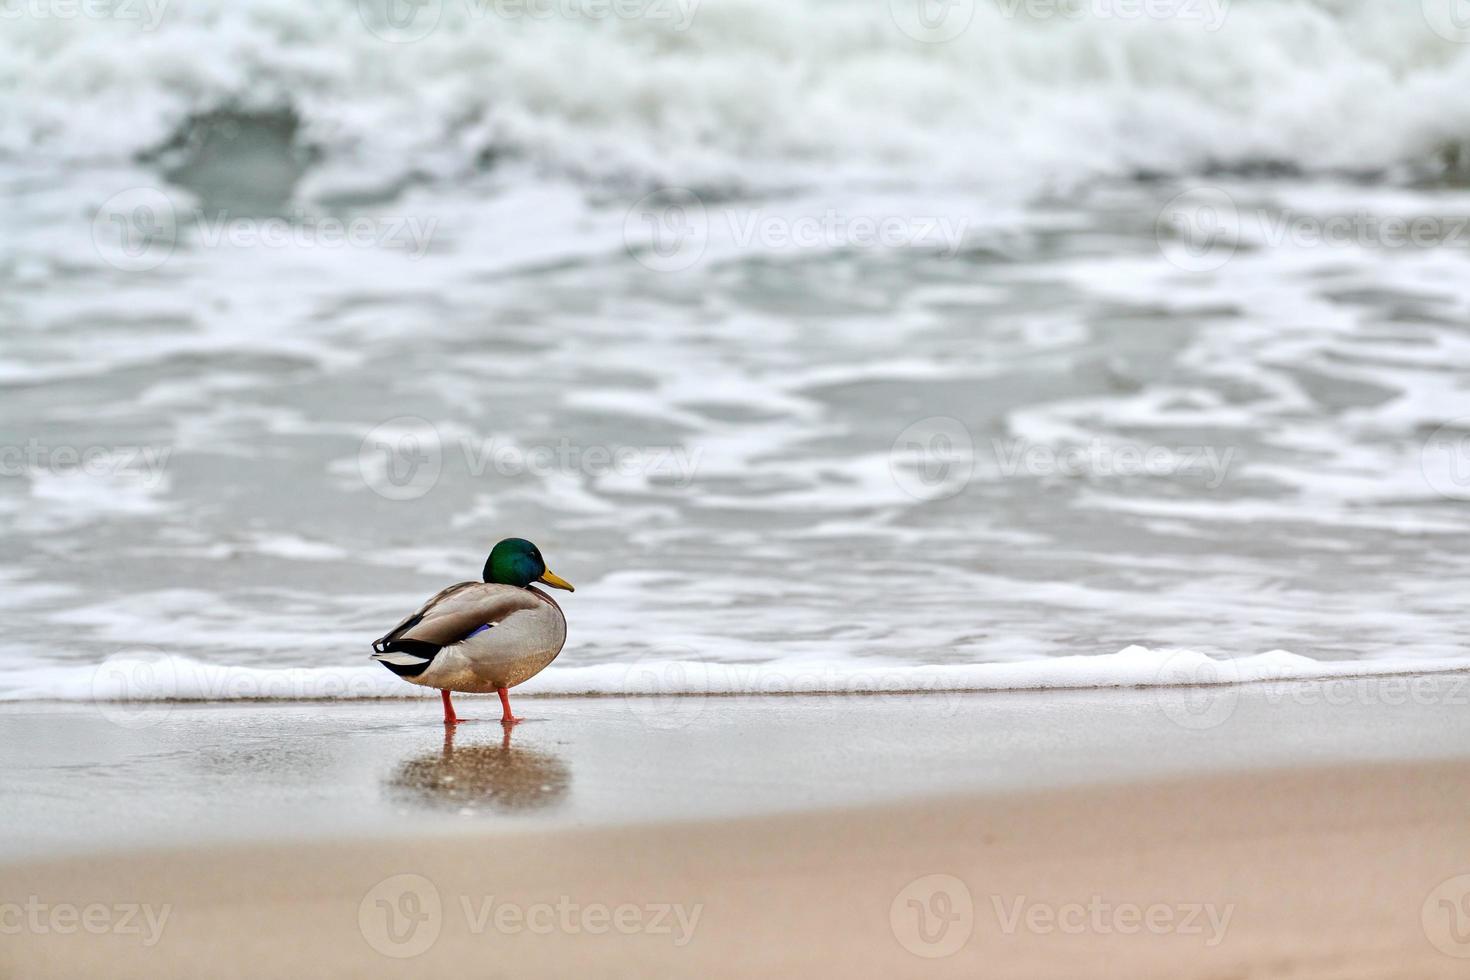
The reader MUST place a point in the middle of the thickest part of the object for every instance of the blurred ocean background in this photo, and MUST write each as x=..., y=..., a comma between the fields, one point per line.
x=793, y=331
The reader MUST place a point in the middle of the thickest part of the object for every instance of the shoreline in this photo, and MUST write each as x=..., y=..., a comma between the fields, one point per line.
x=85, y=778
x=1348, y=671
x=177, y=679
x=1323, y=873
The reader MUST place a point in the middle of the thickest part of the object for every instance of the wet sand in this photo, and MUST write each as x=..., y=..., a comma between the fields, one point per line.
x=1322, y=873
x=1100, y=834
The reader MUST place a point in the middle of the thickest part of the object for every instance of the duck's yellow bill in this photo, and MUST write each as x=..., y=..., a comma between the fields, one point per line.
x=556, y=581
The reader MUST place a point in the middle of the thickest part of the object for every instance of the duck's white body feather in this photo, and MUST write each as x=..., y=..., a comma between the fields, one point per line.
x=526, y=632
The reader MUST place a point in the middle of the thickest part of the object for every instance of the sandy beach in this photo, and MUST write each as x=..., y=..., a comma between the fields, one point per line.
x=1306, y=836
x=1002, y=469
x=1315, y=874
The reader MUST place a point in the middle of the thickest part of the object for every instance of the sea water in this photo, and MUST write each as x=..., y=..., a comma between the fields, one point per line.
x=821, y=345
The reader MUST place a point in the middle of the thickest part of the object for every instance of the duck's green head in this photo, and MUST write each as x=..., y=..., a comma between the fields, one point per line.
x=516, y=561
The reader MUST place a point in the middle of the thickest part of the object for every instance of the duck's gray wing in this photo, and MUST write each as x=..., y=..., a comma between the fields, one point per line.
x=449, y=617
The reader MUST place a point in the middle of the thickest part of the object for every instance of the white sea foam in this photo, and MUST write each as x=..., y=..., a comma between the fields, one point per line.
x=754, y=92
x=132, y=678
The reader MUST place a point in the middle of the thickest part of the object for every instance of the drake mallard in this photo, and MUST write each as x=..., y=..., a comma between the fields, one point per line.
x=478, y=637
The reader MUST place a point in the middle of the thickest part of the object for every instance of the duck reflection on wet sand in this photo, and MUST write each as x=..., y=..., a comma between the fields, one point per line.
x=496, y=776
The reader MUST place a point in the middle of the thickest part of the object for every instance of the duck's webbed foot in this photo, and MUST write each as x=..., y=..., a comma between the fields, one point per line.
x=506, y=718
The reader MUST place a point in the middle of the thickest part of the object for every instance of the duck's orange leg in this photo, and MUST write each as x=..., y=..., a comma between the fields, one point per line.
x=449, y=718
x=506, y=718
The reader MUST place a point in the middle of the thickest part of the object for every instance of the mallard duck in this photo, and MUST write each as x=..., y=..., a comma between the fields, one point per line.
x=478, y=637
